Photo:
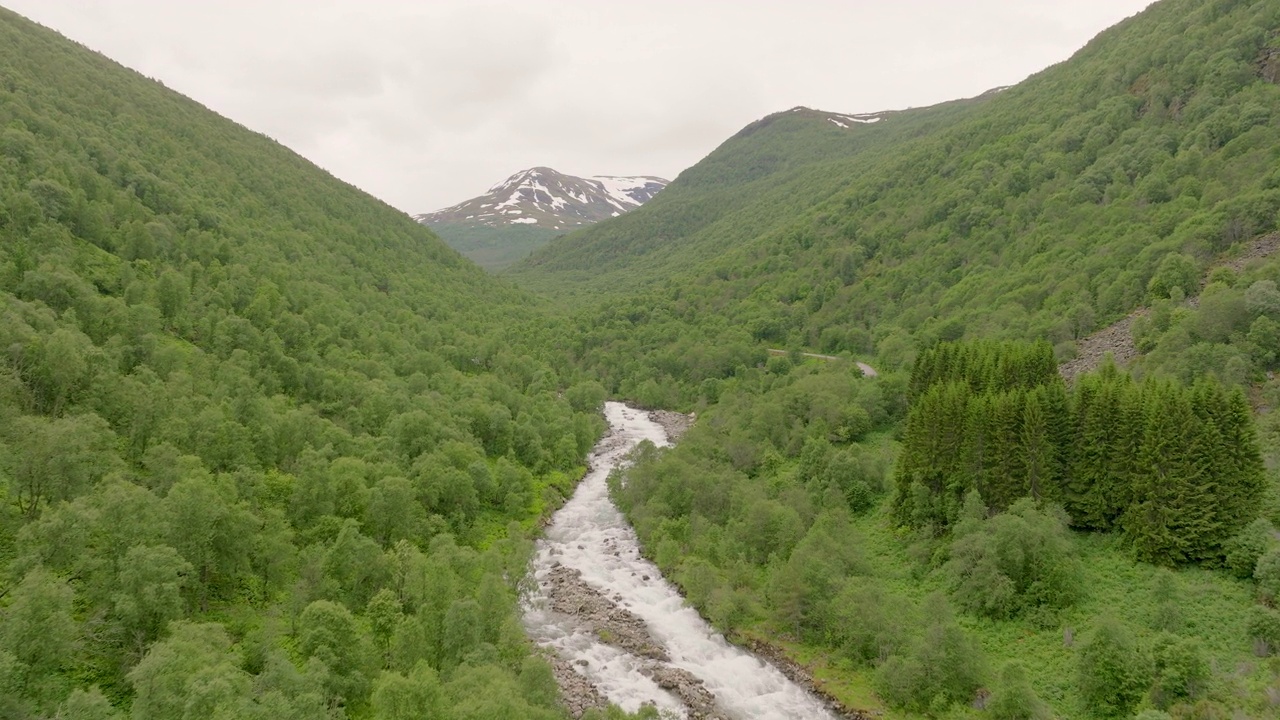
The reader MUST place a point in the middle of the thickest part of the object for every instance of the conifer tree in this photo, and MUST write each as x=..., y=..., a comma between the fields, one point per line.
x=1242, y=478
x=1166, y=467
x=1009, y=480
x=980, y=444
x=1040, y=456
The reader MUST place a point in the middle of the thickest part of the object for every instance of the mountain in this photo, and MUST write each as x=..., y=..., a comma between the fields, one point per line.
x=1044, y=210
x=752, y=182
x=259, y=431
x=526, y=210
x=546, y=198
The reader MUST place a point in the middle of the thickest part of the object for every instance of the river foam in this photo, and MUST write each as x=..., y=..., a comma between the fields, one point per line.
x=589, y=535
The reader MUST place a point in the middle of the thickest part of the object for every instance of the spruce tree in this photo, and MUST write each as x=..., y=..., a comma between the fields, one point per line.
x=1243, y=480
x=1084, y=455
x=1039, y=455
x=1058, y=421
x=1165, y=467
x=979, y=444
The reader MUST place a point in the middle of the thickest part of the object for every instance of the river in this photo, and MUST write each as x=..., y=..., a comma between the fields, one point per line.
x=590, y=536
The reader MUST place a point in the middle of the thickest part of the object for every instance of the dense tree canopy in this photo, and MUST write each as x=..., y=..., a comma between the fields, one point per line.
x=257, y=429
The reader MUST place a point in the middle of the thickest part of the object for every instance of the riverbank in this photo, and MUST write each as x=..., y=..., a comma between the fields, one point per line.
x=673, y=423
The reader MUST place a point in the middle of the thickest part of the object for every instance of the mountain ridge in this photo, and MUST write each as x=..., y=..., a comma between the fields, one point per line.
x=550, y=199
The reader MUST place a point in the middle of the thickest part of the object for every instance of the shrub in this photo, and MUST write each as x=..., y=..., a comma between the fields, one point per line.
x=1181, y=670
x=1247, y=546
x=1111, y=672
x=1267, y=573
x=1014, y=698
x=1013, y=562
x=943, y=667
x=1264, y=630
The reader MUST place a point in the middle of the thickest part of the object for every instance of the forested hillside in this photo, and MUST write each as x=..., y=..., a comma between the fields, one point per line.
x=1044, y=211
x=268, y=448
x=747, y=186
x=494, y=248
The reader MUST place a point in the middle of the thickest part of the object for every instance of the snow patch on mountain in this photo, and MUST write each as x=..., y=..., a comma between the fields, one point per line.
x=552, y=199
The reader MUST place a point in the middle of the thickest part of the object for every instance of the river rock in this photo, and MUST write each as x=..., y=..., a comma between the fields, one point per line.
x=576, y=692
x=684, y=685
x=612, y=624
x=674, y=423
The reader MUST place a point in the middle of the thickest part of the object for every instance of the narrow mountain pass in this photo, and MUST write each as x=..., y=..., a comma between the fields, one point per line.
x=613, y=620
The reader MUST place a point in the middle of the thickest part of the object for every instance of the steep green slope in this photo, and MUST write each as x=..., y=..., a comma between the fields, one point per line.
x=1040, y=213
x=494, y=248
x=268, y=448
x=772, y=168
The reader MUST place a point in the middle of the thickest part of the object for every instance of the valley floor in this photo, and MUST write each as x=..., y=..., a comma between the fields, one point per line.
x=1210, y=606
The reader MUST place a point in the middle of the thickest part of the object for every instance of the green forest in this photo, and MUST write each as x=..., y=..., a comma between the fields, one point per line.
x=270, y=448
x=494, y=248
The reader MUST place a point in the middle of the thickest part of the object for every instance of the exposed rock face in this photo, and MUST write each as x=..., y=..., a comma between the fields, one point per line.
x=577, y=692
x=800, y=675
x=700, y=702
x=1269, y=65
x=1117, y=338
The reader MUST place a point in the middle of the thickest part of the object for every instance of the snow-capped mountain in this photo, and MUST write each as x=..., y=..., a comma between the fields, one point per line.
x=541, y=197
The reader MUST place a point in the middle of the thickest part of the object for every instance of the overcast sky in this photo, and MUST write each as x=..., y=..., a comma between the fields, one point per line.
x=427, y=103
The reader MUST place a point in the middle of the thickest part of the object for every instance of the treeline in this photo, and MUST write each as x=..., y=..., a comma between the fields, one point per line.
x=1176, y=469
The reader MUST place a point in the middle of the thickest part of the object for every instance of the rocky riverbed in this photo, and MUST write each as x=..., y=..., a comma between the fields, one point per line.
x=620, y=631
x=673, y=423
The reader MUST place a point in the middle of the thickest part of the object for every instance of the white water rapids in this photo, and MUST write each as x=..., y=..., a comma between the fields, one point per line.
x=583, y=535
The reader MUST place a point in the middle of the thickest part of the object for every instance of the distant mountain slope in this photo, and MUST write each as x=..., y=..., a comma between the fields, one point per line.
x=248, y=410
x=546, y=198
x=1040, y=211
x=751, y=182
x=528, y=209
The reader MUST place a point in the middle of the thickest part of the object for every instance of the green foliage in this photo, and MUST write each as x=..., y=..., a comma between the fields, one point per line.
x=1267, y=573
x=1112, y=672
x=1176, y=273
x=942, y=668
x=192, y=673
x=495, y=248
x=1043, y=212
x=1014, y=562
x=38, y=632
x=1177, y=469
x=1180, y=669
x=400, y=697
x=1014, y=698
x=1264, y=630
x=240, y=400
